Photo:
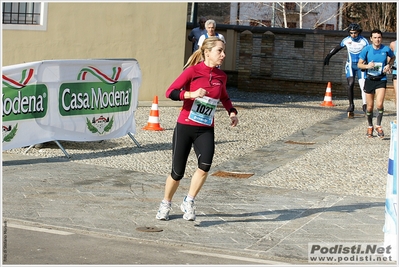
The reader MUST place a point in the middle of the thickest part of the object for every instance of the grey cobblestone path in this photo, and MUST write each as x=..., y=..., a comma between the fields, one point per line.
x=303, y=188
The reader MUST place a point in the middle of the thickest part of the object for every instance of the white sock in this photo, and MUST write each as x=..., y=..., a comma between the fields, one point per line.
x=189, y=198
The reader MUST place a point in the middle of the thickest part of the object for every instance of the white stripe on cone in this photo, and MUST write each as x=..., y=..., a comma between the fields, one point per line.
x=153, y=119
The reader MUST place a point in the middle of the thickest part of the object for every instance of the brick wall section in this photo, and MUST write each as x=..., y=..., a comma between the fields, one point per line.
x=292, y=63
x=245, y=58
x=266, y=49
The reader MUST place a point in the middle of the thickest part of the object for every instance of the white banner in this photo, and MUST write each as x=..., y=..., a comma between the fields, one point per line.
x=391, y=202
x=73, y=100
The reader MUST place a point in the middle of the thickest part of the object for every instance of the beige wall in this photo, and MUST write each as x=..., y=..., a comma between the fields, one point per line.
x=152, y=33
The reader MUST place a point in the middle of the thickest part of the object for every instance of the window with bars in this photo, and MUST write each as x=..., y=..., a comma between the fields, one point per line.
x=21, y=13
x=24, y=15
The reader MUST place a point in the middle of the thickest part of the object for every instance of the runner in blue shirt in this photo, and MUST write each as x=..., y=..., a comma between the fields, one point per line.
x=354, y=43
x=394, y=47
x=377, y=59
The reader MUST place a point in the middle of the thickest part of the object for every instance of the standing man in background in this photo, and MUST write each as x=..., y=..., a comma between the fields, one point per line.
x=196, y=33
x=210, y=26
x=354, y=43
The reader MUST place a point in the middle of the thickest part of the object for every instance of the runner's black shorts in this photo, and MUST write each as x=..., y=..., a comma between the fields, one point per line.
x=370, y=86
x=202, y=138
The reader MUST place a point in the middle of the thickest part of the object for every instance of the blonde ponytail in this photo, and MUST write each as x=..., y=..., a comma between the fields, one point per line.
x=199, y=55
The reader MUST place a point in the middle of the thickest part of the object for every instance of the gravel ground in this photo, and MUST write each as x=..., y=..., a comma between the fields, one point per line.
x=350, y=164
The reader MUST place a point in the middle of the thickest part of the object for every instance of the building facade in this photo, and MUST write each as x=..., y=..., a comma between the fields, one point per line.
x=152, y=33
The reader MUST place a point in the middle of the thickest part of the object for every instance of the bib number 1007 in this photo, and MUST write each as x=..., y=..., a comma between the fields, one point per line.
x=203, y=110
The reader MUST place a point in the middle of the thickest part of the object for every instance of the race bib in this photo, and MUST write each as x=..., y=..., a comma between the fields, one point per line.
x=376, y=70
x=203, y=110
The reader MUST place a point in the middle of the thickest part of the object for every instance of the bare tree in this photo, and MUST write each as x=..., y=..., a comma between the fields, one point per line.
x=303, y=11
x=282, y=5
x=281, y=11
x=369, y=15
x=340, y=10
x=373, y=15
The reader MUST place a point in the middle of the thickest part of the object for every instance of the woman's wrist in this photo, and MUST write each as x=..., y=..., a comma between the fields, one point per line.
x=233, y=112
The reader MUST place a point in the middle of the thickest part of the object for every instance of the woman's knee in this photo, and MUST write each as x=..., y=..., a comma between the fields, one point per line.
x=176, y=177
x=205, y=167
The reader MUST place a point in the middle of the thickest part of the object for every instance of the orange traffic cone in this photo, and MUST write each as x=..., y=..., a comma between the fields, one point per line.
x=153, y=120
x=328, y=97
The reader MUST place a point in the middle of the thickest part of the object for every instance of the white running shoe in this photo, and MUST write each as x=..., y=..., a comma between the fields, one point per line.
x=163, y=212
x=189, y=210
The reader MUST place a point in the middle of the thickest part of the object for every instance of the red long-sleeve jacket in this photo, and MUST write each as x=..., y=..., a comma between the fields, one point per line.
x=199, y=76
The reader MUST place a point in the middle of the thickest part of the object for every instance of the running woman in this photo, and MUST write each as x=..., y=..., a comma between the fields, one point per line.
x=377, y=59
x=204, y=85
x=354, y=44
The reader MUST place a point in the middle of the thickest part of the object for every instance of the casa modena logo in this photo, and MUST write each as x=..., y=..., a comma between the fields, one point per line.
x=22, y=100
x=9, y=132
x=102, y=93
x=100, y=125
x=94, y=93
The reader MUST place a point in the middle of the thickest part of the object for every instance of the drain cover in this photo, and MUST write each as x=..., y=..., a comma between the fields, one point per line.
x=148, y=229
x=299, y=143
x=232, y=174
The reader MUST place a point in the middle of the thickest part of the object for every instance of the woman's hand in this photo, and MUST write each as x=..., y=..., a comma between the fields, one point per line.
x=234, y=119
x=200, y=92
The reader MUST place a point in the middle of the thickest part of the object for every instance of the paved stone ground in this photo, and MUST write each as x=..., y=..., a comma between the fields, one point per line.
x=311, y=181
x=233, y=215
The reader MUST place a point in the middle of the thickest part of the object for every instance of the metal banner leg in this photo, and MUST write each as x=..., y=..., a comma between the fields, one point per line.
x=134, y=139
x=26, y=151
x=62, y=148
x=58, y=144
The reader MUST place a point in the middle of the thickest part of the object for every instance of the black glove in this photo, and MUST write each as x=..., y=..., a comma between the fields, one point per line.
x=327, y=59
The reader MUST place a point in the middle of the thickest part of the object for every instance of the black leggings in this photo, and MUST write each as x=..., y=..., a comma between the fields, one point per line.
x=351, y=85
x=186, y=136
